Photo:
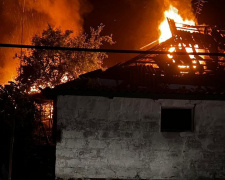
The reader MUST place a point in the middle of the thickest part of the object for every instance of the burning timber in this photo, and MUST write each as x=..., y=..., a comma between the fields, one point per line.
x=147, y=75
x=152, y=117
x=168, y=73
x=175, y=76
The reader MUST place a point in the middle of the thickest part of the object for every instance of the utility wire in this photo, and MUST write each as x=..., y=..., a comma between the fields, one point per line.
x=118, y=51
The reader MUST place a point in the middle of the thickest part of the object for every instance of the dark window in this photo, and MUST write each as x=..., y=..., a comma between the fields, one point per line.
x=176, y=120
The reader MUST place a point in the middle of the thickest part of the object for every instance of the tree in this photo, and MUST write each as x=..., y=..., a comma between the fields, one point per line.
x=42, y=68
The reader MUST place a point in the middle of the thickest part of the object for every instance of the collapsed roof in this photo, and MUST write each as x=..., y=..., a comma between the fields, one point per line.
x=168, y=74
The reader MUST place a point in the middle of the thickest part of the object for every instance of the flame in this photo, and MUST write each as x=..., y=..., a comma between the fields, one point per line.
x=48, y=109
x=36, y=88
x=183, y=66
x=190, y=50
x=172, y=49
x=34, y=16
x=181, y=24
x=172, y=13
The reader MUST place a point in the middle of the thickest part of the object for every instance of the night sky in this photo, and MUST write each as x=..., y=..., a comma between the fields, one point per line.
x=134, y=23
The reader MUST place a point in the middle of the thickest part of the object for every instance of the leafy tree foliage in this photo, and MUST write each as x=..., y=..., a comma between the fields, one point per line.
x=42, y=68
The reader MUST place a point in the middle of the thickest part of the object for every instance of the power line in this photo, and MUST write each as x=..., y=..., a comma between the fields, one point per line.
x=118, y=51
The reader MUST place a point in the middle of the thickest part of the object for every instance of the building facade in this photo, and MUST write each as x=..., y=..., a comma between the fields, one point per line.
x=125, y=138
x=153, y=117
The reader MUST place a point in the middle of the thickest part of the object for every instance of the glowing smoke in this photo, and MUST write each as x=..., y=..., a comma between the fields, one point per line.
x=66, y=14
x=184, y=7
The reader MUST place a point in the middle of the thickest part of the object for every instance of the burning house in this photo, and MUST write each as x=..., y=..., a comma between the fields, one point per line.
x=152, y=117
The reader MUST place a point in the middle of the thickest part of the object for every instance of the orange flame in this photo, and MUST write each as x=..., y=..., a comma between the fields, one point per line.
x=34, y=16
x=164, y=28
x=181, y=25
x=36, y=88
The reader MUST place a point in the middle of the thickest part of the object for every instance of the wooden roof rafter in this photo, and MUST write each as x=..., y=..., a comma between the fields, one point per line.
x=187, y=39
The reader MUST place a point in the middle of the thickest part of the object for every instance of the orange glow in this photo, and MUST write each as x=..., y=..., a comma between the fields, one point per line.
x=48, y=109
x=172, y=13
x=37, y=88
x=202, y=62
x=196, y=46
x=181, y=24
x=34, y=89
x=183, y=72
x=183, y=67
x=64, y=79
x=190, y=50
x=36, y=17
x=172, y=49
x=155, y=66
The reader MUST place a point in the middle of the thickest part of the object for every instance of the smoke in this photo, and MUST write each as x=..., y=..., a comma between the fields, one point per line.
x=35, y=15
x=184, y=7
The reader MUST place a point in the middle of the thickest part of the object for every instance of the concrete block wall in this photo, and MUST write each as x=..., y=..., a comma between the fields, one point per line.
x=121, y=138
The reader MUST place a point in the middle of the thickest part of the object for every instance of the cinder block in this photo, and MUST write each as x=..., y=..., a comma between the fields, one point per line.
x=75, y=143
x=61, y=163
x=66, y=153
x=72, y=163
x=97, y=144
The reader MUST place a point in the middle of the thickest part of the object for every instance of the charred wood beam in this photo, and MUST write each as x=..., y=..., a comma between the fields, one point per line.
x=190, y=29
x=119, y=51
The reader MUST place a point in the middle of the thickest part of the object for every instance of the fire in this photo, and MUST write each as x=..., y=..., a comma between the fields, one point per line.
x=172, y=13
x=34, y=16
x=172, y=23
x=172, y=49
x=36, y=88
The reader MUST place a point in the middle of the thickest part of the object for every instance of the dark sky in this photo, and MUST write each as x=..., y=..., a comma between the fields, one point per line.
x=134, y=23
x=213, y=13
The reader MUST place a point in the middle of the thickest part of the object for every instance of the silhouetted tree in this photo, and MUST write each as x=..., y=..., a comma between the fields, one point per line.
x=17, y=112
x=16, y=104
x=42, y=68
